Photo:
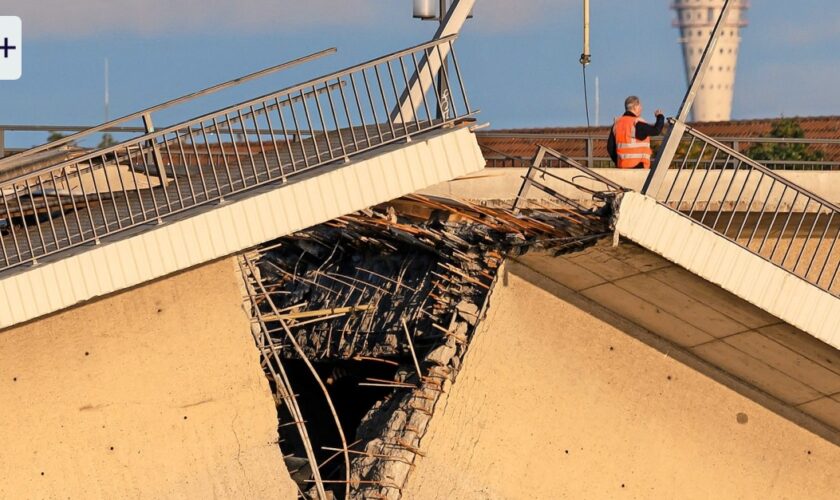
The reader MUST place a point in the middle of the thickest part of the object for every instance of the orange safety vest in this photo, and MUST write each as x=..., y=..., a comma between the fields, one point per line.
x=629, y=150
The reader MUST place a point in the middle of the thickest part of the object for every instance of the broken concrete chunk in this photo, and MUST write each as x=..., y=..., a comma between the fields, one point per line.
x=441, y=354
x=468, y=312
x=460, y=330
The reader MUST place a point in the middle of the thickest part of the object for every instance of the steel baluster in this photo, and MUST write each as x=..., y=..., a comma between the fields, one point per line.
x=373, y=107
x=286, y=138
x=423, y=94
x=361, y=113
x=691, y=176
x=311, y=129
x=273, y=140
x=330, y=154
x=235, y=152
x=260, y=143
x=397, y=98
x=410, y=98
x=335, y=120
x=155, y=205
x=48, y=209
x=210, y=159
x=385, y=102
x=347, y=113
x=808, y=239
x=703, y=182
x=241, y=121
x=784, y=227
x=822, y=238
x=458, y=75
x=221, y=144
x=714, y=187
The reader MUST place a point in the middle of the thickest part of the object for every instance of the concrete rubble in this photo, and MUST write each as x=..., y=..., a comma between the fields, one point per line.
x=369, y=299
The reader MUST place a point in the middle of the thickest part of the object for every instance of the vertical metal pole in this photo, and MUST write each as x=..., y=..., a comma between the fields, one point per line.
x=2, y=142
x=675, y=134
x=526, y=182
x=590, y=153
x=585, y=57
x=441, y=83
x=158, y=159
x=451, y=24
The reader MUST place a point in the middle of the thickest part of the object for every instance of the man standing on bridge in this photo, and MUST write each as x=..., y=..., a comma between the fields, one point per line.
x=629, y=142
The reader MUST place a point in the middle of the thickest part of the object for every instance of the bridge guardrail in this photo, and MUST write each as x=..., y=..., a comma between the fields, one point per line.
x=795, y=229
x=590, y=149
x=231, y=150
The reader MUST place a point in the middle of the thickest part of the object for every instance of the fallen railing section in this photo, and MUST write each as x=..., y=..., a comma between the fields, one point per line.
x=602, y=190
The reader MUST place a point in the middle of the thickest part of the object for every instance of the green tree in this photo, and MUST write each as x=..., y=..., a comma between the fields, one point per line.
x=107, y=141
x=787, y=128
x=54, y=136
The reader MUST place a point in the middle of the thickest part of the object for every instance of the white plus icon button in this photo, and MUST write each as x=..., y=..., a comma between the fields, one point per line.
x=11, y=48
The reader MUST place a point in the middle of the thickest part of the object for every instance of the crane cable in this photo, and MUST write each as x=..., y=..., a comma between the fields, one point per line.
x=586, y=97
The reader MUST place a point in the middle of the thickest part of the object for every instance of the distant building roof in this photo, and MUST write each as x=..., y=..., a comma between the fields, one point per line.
x=516, y=143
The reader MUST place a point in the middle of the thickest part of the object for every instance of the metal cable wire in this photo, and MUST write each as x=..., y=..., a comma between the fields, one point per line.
x=585, y=96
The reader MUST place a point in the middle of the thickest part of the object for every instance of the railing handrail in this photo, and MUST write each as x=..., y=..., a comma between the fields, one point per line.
x=172, y=102
x=502, y=156
x=758, y=166
x=189, y=123
x=485, y=133
x=65, y=128
x=588, y=171
x=536, y=165
x=602, y=137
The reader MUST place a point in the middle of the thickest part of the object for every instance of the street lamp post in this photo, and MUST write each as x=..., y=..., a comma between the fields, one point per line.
x=425, y=11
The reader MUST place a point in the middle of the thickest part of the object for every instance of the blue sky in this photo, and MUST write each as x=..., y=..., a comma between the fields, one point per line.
x=519, y=58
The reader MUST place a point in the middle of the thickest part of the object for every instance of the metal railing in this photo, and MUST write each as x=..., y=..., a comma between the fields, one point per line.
x=231, y=150
x=6, y=129
x=756, y=208
x=586, y=180
x=592, y=150
x=117, y=125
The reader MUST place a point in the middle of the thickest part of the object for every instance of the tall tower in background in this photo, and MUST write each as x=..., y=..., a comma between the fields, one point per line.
x=696, y=19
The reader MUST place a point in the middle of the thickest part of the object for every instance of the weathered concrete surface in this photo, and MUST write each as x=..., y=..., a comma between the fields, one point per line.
x=722, y=262
x=156, y=392
x=495, y=184
x=555, y=400
x=800, y=373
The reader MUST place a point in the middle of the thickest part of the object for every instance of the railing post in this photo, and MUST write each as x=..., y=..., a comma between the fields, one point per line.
x=433, y=62
x=675, y=133
x=590, y=153
x=526, y=182
x=156, y=156
x=2, y=142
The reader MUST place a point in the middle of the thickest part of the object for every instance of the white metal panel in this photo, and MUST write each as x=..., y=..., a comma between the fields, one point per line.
x=235, y=225
x=720, y=261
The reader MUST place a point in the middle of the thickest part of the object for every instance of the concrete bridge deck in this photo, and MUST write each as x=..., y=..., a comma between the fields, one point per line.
x=104, y=197
x=209, y=231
